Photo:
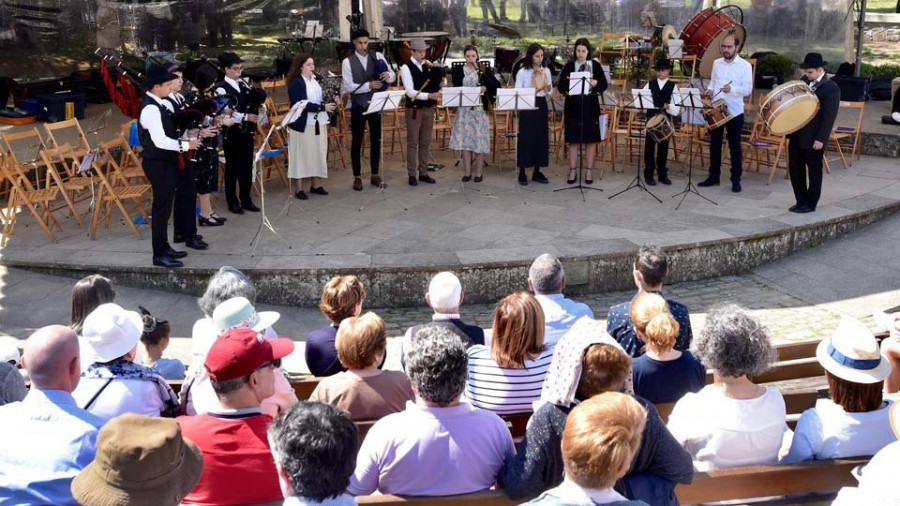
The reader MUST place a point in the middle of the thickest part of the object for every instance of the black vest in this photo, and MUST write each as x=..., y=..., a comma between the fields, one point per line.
x=243, y=100
x=151, y=152
x=418, y=82
x=360, y=75
x=661, y=97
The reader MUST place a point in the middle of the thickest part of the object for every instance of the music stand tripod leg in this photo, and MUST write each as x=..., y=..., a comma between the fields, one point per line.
x=581, y=153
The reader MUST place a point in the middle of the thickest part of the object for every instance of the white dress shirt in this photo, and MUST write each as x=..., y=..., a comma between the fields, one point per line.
x=523, y=80
x=236, y=90
x=314, y=96
x=739, y=73
x=151, y=121
x=121, y=396
x=674, y=109
x=347, y=83
x=406, y=76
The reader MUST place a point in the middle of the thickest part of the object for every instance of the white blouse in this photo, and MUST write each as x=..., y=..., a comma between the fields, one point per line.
x=314, y=96
x=828, y=432
x=523, y=79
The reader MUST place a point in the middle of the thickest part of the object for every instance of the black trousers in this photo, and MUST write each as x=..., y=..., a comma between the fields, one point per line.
x=358, y=123
x=184, y=222
x=238, y=167
x=162, y=176
x=734, y=127
x=800, y=162
x=655, y=162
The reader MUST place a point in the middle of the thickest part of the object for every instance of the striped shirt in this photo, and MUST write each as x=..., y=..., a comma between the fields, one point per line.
x=503, y=390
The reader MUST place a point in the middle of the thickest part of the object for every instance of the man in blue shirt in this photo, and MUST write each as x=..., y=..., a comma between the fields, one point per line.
x=46, y=439
x=650, y=270
x=547, y=279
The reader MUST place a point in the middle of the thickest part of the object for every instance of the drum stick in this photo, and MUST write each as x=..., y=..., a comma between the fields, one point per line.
x=720, y=89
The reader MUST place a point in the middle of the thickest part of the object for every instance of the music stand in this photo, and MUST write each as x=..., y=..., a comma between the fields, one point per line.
x=644, y=101
x=690, y=101
x=515, y=99
x=461, y=96
x=383, y=101
x=579, y=86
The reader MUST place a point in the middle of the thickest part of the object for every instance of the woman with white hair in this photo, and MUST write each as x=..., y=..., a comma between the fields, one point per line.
x=733, y=422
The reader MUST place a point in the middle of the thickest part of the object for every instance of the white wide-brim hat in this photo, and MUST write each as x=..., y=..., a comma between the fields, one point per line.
x=111, y=331
x=239, y=312
x=852, y=353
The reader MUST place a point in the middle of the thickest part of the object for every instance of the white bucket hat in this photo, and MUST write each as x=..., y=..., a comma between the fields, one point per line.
x=239, y=312
x=112, y=331
x=852, y=353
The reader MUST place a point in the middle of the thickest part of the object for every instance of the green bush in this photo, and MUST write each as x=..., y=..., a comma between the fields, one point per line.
x=776, y=65
x=886, y=71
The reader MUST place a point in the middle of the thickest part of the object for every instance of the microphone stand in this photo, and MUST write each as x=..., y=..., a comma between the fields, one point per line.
x=581, y=149
x=638, y=181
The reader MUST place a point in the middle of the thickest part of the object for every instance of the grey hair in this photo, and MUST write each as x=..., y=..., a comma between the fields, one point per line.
x=734, y=343
x=228, y=282
x=315, y=444
x=228, y=386
x=437, y=365
x=546, y=274
x=12, y=386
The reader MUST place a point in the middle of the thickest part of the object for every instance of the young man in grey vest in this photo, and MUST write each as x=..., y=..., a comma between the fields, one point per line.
x=422, y=96
x=361, y=79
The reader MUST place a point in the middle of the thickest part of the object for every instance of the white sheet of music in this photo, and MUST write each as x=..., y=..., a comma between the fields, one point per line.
x=506, y=99
x=385, y=101
x=462, y=96
x=580, y=83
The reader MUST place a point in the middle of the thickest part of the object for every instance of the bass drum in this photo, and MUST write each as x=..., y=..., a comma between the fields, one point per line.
x=789, y=107
x=705, y=32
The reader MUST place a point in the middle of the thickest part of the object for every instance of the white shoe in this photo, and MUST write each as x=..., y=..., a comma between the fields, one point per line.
x=896, y=116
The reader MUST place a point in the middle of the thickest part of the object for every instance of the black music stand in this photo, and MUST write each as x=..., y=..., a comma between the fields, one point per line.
x=462, y=96
x=690, y=101
x=638, y=181
x=383, y=101
x=516, y=99
x=582, y=87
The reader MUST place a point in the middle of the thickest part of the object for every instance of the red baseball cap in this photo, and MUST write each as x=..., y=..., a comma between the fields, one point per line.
x=238, y=352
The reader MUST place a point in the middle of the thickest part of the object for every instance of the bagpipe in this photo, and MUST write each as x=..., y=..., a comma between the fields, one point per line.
x=331, y=92
x=257, y=99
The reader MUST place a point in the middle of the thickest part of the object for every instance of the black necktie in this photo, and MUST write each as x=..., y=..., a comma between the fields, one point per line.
x=583, y=68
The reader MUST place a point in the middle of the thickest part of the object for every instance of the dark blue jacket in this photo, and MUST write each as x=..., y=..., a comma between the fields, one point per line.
x=297, y=92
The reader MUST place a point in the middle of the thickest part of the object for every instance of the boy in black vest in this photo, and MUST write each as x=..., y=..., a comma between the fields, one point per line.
x=662, y=90
x=156, y=128
x=361, y=80
x=238, y=138
x=419, y=112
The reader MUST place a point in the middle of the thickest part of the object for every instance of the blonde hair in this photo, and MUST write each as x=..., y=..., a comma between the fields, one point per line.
x=602, y=435
x=360, y=340
x=518, y=330
x=340, y=296
x=654, y=322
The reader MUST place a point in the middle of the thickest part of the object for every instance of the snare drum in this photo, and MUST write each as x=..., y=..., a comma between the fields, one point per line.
x=717, y=115
x=789, y=107
x=660, y=127
x=704, y=33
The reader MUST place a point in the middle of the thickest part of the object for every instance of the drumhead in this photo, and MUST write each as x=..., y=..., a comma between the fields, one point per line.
x=656, y=121
x=711, y=51
x=793, y=115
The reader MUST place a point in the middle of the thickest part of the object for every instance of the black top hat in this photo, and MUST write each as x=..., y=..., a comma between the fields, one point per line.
x=228, y=59
x=812, y=61
x=158, y=74
x=359, y=33
x=662, y=64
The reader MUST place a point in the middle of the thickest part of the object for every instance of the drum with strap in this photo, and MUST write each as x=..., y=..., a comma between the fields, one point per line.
x=705, y=32
x=660, y=127
x=717, y=114
x=789, y=107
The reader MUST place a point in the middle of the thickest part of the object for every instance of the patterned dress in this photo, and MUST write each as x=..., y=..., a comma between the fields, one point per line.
x=471, y=131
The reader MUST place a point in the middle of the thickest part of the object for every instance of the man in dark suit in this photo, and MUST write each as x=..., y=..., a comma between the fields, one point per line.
x=806, y=147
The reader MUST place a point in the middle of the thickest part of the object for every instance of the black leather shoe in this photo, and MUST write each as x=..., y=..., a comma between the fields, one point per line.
x=196, y=243
x=175, y=253
x=665, y=180
x=803, y=209
x=650, y=181
x=538, y=177
x=793, y=208
x=465, y=179
x=708, y=182
x=250, y=206
x=478, y=179
x=318, y=191
x=218, y=218
x=178, y=239
x=301, y=195
x=209, y=222
x=736, y=187
x=571, y=179
x=523, y=179
x=412, y=181
x=236, y=209
x=425, y=178
x=167, y=262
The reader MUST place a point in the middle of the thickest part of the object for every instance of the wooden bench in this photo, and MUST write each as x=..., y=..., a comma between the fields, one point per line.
x=826, y=476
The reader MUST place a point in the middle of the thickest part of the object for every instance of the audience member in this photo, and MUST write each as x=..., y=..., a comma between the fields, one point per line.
x=662, y=374
x=342, y=297
x=876, y=485
x=113, y=384
x=445, y=296
x=46, y=439
x=547, y=279
x=87, y=295
x=233, y=313
x=314, y=446
x=651, y=267
x=507, y=376
x=12, y=386
x=601, y=437
x=141, y=460
x=732, y=422
x=155, y=339
x=363, y=390
x=9, y=352
x=237, y=465
x=890, y=346
x=588, y=362
x=438, y=445
x=856, y=420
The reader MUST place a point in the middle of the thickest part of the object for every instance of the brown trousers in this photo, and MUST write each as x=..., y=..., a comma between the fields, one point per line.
x=418, y=139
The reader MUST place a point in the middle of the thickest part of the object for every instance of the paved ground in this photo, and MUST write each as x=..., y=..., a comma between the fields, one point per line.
x=799, y=298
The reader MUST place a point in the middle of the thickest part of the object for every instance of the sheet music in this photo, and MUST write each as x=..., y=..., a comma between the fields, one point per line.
x=314, y=28
x=506, y=99
x=294, y=113
x=580, y=83
x=385, y=101
x=643, y=99
x=462, y=96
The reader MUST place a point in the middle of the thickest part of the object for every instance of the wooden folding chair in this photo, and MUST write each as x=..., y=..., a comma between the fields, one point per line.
x=394, y=123
x=842, y=132
x=503, y=131
x=109, y=195
x=337, y=136
x=443, y=126
x=22, y=193
x=75, y=151
x=28, y=143
x=69, y=185
x=762, y=141
x=274, y=155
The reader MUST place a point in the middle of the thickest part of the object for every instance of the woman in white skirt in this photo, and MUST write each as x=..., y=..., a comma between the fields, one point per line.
x=308, y=141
